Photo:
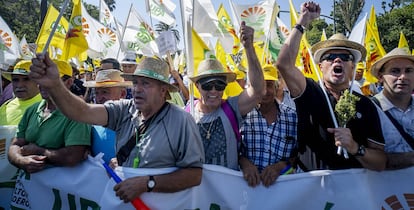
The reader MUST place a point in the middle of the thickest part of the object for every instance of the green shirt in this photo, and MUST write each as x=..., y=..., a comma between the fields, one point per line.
x=12, y=111
x=55, y=131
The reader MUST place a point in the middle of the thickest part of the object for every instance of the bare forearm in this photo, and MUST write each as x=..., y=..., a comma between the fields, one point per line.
x=400, y=160
x=66, y=156
x=178, y=180
x=374, y=159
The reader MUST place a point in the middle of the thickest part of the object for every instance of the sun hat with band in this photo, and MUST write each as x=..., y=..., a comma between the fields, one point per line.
x=21, y=68
x=108, y=78
x=153, y=68
x=393, y=54
x=338, y=42
x=210, y=70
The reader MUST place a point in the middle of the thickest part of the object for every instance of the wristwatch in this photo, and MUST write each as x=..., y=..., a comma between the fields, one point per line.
x=361, y=151
x=150, y=184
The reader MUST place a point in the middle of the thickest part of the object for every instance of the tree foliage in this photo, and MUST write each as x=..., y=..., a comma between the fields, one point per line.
x=23, y=16
x=160, y=27
x=392, y=22
x=346, y=13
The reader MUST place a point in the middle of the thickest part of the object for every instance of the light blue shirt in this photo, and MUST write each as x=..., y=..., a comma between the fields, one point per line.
x=103, y=140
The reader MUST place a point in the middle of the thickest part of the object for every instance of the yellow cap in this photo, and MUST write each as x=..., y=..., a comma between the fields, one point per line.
x=21, y=68
x=64, y=67
x=270, y=72
x=240, y=74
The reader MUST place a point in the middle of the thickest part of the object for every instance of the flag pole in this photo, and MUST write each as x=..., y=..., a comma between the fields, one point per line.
x=123, y=32
x=52, y=33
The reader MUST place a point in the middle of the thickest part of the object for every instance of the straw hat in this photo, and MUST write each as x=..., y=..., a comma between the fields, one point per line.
x=269, y=72
x=338, y=42
x=21, y=68
x=153, y=68
x=212, y=68
x=108, y=78
x=393, y=54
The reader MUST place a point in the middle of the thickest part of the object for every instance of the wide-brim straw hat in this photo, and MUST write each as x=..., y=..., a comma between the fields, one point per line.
x=212, y=67
x=152, y=68
x=21, y=68
x=338, y=42
x=393, y=54
x=108, y=78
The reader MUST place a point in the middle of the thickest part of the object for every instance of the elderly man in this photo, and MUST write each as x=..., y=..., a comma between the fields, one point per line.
x=396, y=72
x=26, y=94
x=337, y=58
x=45, y=136
x=151, y=133
x=109, y=85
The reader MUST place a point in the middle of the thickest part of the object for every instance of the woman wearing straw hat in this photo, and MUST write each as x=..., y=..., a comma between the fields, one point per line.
x=317, y=123
x=219, y=137
x=151, y=133
x=396, y=72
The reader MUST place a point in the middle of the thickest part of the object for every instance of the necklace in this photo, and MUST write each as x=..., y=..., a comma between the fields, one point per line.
x=208, y=134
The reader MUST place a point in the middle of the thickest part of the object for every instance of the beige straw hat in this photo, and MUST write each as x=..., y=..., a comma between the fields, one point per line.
x=212, y=67
x=393, y=54
x=340, y=42
x=108, y=78
x=153, y=68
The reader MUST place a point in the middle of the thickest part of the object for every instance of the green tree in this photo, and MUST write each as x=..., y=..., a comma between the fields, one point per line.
x=315, y=30
x=392, y=22
x=160, y=27
x=346, y=13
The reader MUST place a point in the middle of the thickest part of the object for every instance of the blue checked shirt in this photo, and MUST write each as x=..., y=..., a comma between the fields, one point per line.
x=265, y=144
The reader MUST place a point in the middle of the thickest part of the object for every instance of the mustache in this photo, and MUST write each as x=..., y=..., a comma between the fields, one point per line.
x=19, y=89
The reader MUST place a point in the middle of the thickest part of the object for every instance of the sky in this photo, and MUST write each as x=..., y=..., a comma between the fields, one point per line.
x=122, y=8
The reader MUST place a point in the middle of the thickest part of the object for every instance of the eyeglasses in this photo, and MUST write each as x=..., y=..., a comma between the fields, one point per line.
x=218, y=85
x=333, y=56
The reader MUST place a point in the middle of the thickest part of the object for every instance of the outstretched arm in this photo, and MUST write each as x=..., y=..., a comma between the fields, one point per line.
x=249, y=98
x=294, y=79
x=44, y=72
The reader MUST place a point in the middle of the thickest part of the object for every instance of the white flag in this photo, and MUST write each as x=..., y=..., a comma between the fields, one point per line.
x=25, y=49
x=137, y=37
x=102, y=41
x=259, y=16
x=358, y=32
x=9, y=45
x=106, y=17
x=162, y=10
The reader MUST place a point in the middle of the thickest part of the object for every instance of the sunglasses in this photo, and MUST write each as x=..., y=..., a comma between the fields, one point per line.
x=333, y=56
x=219, y=86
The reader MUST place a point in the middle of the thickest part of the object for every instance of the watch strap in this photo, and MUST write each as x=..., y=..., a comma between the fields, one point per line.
x=150, y=183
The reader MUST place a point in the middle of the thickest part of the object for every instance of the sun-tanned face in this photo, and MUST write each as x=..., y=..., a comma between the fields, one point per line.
x=397, y=76
x=211, y=93
x=337, y=70
x=148, y=94
x=103, y=94
x=23, y=87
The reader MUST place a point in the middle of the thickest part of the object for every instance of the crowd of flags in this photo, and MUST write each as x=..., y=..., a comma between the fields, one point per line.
x=211, y=33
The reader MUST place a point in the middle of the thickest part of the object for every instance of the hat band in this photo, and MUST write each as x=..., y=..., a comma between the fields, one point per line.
x=106, y=81
x=20, y=71
x=213, y=71
x=152, y=74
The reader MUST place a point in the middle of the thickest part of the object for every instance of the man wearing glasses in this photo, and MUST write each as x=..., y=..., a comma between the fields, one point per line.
x=219, y=137
x=337, y=58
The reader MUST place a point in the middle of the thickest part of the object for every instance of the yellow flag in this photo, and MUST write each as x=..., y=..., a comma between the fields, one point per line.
x=375, y=50
x=233, y=88
x=58, y=39
x=323, y=35
x=304, y=60
x=200, y=50
x=403, y=43
x=75, y=42
x=225, y=24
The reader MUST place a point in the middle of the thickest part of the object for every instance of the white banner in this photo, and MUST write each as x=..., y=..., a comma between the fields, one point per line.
x=7, y=171
x=88, y=186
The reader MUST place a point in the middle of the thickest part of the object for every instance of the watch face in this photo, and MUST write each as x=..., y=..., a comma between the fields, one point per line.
x=151, y=184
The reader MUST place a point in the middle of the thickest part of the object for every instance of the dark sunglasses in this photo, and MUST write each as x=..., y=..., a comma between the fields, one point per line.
x=333, y=56
x=219, y=86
